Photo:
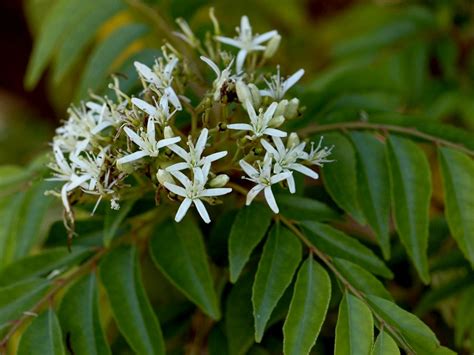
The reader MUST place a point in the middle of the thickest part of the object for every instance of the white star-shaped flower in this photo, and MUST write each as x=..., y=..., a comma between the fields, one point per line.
x=318, y=155
x=222, y=77
x=147, y=142
x=246, y=41
x=277, y=87
x=259, y=124
x=263, y=179
x=194, y=191
x=160, y=113
x=193, y=158
x=286, y=160
x=161, y=78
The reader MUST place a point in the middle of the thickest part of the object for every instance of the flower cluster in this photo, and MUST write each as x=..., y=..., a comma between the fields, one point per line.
x=129, y=145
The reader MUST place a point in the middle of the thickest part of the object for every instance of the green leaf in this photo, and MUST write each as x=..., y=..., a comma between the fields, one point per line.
x=417, y=334
x=20, y=297
x=307, y=309
x=361, y=279
x=457, y=171
x=385, y=345
x=303, y=208
x=120, y=274
x=248, y=229
x=280, y=258
x=82, y=34
x=63, y=16
x=113, y=219
x=238, y=316
x=373, y=186
x=43, y=336
x=355, y=327
x=337, y=244
x=410, y=178
x=42, y=264
x=79, y=318
x=97, y=69
x=464, y=320
x=12, y=175
x=178, y=250
x=340, y=177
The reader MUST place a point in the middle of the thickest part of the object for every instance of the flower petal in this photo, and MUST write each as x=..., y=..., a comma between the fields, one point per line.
x=178, y=190
x=144, y=106
x=167, y=141
x=177, y=167
x=273, y=132
x=271, y=199
x=135, y=138
x=180, y=151
x=183, y=208
x=304, y=170
x=132, y=157
x=216, y=192
x=240, y=126
x=249, y=169
x=201, y=143
x=270, y=149
x=253, y=192
x=229, y=41
x=240, y=60
x=215, y=156
x=292, y=80
x=146, y=72
x=264, y=37
x=183, y=179
x=280, y=177
x=202, y=210
x=213, y=65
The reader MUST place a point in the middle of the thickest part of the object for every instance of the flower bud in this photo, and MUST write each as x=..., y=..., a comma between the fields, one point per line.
x=243, y=92
x=281, y=108
x=272, y=47
x=291, y=111
x=125, y=167
x=293, y=140
x=256, y=97
x=276, y=121
x=219, y=181
x=163, y=176
x=168, y=132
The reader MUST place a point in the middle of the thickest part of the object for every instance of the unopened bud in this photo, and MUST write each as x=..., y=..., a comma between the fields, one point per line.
x=276, y=121
x=125, y=167
x=272, y=47
x=243, y=92
x=291, y=111
x=255, y=93
x=219, y=181
x=281, y=108
x=163, y=176
x=168, y=132
x=293, y=140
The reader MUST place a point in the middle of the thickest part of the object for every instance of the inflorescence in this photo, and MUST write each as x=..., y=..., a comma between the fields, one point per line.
x=235, y=122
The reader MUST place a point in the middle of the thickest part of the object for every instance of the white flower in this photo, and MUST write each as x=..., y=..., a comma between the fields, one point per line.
x=193, y=158
x=259, y=125
x=160, y=113
x=318, y=155
x=286, y=160
x=147, y=142
x=161, y=78
x=194, y=191
x=246, y=41
x=277, y=87
x=264, y=180
x=222, y=77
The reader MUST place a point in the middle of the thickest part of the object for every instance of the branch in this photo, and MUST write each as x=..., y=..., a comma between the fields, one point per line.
x=60, y=284
x=327, y=260
x=386, y=127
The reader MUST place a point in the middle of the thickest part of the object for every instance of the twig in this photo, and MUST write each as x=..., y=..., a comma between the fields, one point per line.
x=327, y=260
x=386, y=127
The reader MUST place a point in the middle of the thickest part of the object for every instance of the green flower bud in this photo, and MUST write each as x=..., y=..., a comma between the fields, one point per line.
x=293, y=140
x=168, y=132
x=281, y=108
x=291, y=111
x=219, y=181
x=276, y=121
x=272, y=47
x=163, y=176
